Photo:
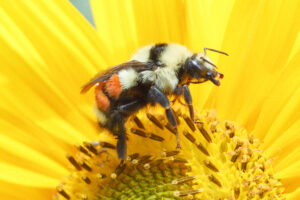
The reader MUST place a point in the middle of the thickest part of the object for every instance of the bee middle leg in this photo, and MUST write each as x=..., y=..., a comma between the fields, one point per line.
x=131, y=107
x=155, y=95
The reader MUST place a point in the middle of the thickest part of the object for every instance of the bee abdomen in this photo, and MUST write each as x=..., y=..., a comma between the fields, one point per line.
x=110, y=89
x=113, y=86
x=102, y=100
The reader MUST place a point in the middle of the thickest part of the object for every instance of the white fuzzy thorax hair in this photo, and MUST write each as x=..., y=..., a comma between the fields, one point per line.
x=128, y=78
x=164, y=78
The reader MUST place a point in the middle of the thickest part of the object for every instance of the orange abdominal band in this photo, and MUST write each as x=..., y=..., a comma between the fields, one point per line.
x=113, y=86
x=101, y=100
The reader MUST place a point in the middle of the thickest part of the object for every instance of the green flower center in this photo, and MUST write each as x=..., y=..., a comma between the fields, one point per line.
x=143, y=178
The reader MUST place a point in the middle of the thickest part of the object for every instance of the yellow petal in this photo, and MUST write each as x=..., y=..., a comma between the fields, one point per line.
x=45, y=58
x=24, y=156
x=21, y=192
x=294, y=195
x=290, y=176
x=279, y=110
x=254, y=56
x=17, y=175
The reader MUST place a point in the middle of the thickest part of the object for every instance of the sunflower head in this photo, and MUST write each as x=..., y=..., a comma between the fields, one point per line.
x=218, y=160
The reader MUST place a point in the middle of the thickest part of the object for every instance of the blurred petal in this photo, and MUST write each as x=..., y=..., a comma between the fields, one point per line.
x=47, y=52
x=21, y=192
x=255, y=59
x=17, y=175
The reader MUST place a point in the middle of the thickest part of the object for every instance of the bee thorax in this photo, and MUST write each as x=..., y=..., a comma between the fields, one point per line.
x=163, y=78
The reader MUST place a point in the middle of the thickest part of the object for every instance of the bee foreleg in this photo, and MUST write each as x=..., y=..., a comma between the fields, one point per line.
x=184, y=89
x=155, y=95
x=188, y=98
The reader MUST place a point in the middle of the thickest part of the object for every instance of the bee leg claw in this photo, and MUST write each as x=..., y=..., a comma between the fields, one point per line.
x=178, y=146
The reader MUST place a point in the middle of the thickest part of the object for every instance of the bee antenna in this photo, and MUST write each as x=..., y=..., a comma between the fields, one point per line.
x=209, y=62
x=221, y=52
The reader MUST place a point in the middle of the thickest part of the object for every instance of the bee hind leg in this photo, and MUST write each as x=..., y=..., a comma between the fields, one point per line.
x=155, y=95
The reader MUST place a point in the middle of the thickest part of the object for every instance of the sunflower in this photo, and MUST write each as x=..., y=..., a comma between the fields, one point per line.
x=48, y=50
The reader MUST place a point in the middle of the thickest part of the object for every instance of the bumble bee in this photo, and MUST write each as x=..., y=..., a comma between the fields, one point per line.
x=152, y=74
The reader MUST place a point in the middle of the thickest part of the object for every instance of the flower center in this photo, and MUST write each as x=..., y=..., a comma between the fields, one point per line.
x=218, y=160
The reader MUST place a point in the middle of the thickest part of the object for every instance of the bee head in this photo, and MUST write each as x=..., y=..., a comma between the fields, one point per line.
x=201, y=68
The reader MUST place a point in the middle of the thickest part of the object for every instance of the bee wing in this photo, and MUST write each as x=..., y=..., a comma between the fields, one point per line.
x=105, y=75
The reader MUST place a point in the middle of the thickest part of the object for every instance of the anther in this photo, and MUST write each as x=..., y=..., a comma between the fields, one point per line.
x=138, y=122
x=237, y=146
x=231, y=134
x=183, y=180
x=189, y=136
x=213, y=126
x=83, y=150
x=62, y=192
x=228, y=125
x=86, y=166
x=144, y=159
x=133, y=156
x=235, y=156
x=73, y=162
x=170, y=128
x=107, y=145
x=156, y=137
x=138, y=132
x=202, y=148
x=244, y=166
x=86, y=179
x=204, y=132
x=179, y=160
x=157, y=162
x=213, y=179
x=186, y=193
x=120, y=168
x=211, y=166
x=176, y=116
x=169, y=153
x=153, y=119
x=189, y=122
x=236, y=192
x=90, y=147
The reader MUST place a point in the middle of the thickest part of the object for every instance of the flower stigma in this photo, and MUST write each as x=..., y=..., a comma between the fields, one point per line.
x=218, y=160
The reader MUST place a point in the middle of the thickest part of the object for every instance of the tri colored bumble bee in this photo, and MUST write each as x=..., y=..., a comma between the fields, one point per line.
x=152, y=74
